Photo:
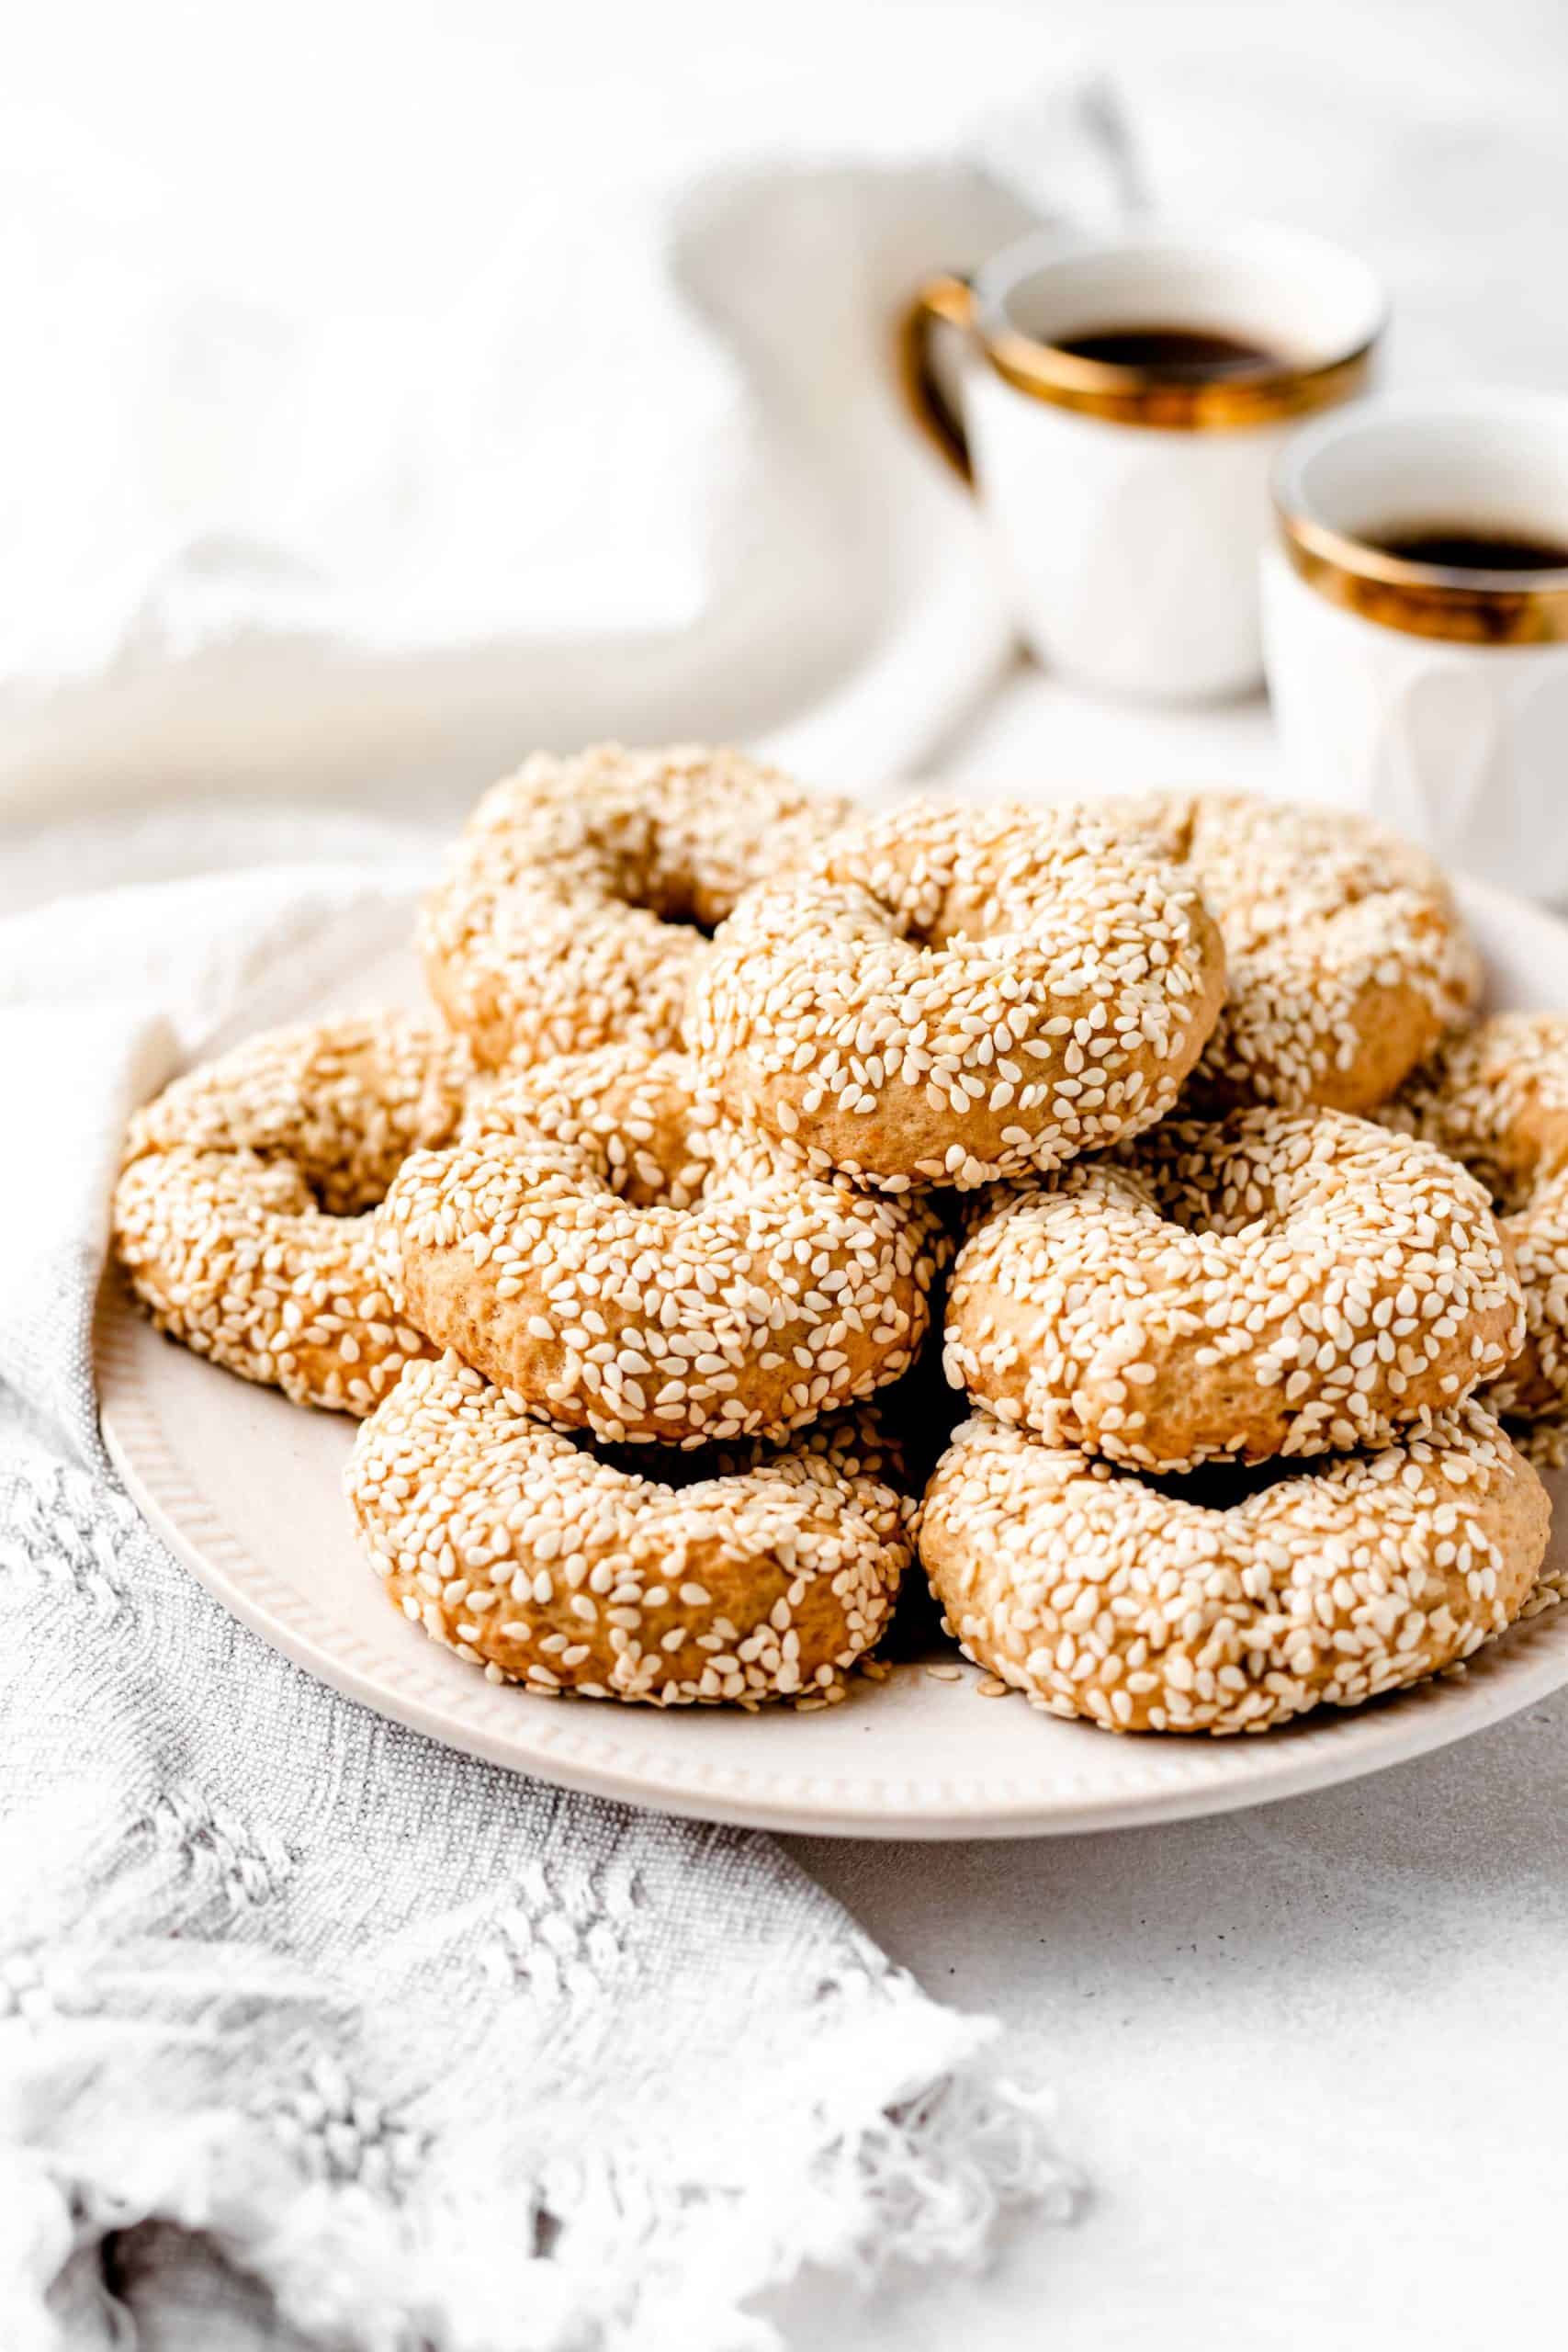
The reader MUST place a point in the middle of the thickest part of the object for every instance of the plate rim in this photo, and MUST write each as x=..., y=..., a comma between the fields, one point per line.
x=1529, y=1662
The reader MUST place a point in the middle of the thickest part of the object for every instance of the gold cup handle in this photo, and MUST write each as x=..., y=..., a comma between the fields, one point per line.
x=941, y=302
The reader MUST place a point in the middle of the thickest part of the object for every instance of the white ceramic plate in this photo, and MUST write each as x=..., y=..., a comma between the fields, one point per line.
x=246, y=1489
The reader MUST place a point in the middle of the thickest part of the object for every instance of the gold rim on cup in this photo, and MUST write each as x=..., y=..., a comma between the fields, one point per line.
x=1424, y=599
x=1121, y=395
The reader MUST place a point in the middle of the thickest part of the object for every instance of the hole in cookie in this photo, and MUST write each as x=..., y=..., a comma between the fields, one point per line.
x=284, y=1187
x=973, y=918
x=678, y=898
x=662, y=1465
x=658, y=1172
x=1223, y=1486
x=677, y=1468
x=646, y=1154
x=1194, y=1209
x=345, y=1201
x=663, y=878
x=1516, y=1185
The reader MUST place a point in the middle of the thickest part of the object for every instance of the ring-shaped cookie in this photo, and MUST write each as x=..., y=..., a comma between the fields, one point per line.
x=1276, y=1282
x=1496, y=1097
x=241, y=1213
x=955, y=993
x=1346, y=954
x=739, y=1296
x=575, y=904
x=724, y=1580
x=1106, y=1597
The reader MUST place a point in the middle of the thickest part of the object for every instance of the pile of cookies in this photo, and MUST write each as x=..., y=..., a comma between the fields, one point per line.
x=1163, y=1125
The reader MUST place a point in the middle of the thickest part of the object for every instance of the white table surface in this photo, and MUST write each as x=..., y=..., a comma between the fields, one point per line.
x=1302, y=2052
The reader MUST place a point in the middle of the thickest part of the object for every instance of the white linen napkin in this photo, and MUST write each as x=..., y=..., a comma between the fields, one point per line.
x=312, y=2031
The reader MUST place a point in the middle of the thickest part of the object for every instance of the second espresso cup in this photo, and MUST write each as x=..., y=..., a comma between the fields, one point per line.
x=1416, y=611
x=1119, y=405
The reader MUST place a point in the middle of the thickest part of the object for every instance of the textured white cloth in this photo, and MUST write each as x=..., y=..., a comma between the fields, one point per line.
x=312, y=2032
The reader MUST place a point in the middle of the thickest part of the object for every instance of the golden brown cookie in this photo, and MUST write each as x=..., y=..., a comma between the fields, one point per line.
x=629, y=1269
x=241, y=1212
x=1346, y=954
x=953, y=993
x=712, y=1580
x=1107, y=1597
x=1276, y=1282
x=1496, y=1097
x=575, y=904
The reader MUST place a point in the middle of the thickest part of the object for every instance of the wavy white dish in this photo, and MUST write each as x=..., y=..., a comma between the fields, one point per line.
x=245, y=1488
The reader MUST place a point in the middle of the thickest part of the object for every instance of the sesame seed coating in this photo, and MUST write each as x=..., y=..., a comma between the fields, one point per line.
x=1496, y=1097
x=626, y=1267
x=650, y=1115
x=951, y=994
x=1106, y=1598
x=1274, y=1282
x=574, y=903
x=760, y=1579
x=1346, y=954
x=239, y=1215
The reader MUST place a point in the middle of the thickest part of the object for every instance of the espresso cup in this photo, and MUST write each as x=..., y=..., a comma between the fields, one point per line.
x=1415, y=606
x=1129, y=494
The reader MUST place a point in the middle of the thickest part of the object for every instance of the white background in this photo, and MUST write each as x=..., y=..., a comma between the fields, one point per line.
x=330, y=176
x=1309, y=2056
x=361, y=150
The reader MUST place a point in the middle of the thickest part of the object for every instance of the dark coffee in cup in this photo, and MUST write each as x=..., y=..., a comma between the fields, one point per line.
x=1179, y=354
x=1416, y=614
x=1469, y=547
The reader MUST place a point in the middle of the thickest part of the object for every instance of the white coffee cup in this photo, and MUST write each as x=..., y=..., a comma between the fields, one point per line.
x=1431, y=695
x=1130, y=505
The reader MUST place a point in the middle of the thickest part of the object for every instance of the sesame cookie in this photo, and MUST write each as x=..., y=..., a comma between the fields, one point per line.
x=575, y=902
x=953, y=993
x=1496, y=1097
x=622, y=1266
x=1278, y=1281
x=1109, y=1598
x=241, y=1212
x=1346, y=954
x=715, y=1580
